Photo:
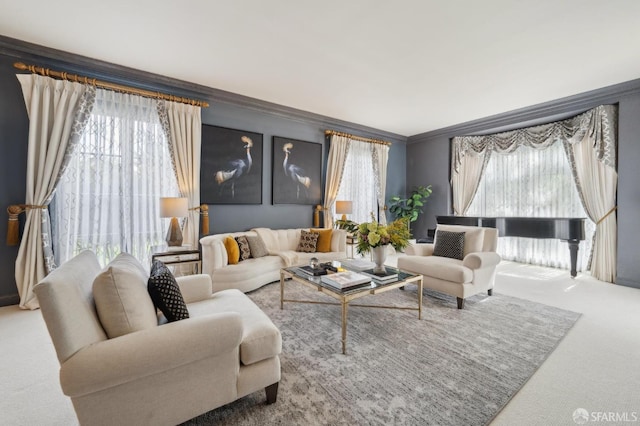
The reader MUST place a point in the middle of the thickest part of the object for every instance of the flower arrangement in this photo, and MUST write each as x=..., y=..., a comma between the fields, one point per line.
x=373, y=234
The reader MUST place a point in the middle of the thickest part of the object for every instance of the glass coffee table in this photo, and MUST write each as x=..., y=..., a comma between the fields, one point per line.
x=345, y=296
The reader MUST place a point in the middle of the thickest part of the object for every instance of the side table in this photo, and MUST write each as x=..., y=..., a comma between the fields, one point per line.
x=180, y=256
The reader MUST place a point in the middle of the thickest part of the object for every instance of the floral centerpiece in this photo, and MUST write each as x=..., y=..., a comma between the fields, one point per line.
x=373, y=234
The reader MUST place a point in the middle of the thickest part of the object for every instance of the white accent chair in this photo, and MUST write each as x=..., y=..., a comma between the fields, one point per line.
x=473, y=274
x=160, y=374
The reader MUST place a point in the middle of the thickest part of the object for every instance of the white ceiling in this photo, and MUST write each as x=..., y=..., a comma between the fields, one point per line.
x=404, y=66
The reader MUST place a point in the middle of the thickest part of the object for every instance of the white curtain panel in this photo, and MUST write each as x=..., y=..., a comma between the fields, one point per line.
x=532, y=183
x=338, y=153
x=358, y=182
x=52, y=106
x=467, y=168
x=183, y=126
x=380, y=157
x=108, y=198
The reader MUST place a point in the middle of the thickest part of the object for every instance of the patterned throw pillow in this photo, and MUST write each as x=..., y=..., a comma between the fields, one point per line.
x=258, y=249
x=243, y=245
x=165, y=293
x=308, y=241
x=449, y=244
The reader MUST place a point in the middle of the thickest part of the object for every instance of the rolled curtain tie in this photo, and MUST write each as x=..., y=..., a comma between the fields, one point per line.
x=613, y=209
x=13, y=224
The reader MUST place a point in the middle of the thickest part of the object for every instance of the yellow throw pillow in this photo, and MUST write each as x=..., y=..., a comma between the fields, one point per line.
x=324, y=239
x=233, y=251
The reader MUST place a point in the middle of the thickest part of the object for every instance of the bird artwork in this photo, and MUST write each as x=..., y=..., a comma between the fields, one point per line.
x=235, y=169
x=295, y=173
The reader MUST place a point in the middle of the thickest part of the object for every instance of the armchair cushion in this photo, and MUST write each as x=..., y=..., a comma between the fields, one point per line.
x=473, y=237
x=442, y=268
x=122, y=301
x=449, y=244
x=165, y=293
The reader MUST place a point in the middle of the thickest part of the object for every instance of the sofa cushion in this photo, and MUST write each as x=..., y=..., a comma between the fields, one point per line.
x=442, y=268
x=233, y=251
x=256, y=246
x=308, y=242
x=473, y=236
x=449, y=244
x=165, y=293
x=324, y=239
x=261, y=339
x=122, y=301
x=243, y=246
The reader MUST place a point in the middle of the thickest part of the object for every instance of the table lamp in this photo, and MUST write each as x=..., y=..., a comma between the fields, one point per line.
x=344, y=208
x=174, y=207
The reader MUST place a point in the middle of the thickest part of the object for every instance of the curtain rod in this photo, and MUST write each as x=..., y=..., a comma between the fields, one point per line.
x=109, y=86
x=358, y=138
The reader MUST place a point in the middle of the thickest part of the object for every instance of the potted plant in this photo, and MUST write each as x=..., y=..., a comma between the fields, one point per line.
x=374, y=237
x=411, y=207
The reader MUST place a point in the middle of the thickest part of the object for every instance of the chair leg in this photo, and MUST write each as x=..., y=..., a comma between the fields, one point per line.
x=272, y=393
x=460, y=302
x=490, y=292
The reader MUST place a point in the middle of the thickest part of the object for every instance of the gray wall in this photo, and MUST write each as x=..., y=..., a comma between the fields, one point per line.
x=429, y=161
x=227, y=110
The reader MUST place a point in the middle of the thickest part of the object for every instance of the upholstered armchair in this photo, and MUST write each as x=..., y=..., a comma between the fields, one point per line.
x=122, y=363
x=463, y=269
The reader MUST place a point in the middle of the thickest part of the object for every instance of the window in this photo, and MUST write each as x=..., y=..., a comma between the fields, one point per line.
x=358, y=182
x=532, y=183
x=107, y=199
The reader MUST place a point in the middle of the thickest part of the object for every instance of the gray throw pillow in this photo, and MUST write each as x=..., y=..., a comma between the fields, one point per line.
x=256, y=246
x=449, y=244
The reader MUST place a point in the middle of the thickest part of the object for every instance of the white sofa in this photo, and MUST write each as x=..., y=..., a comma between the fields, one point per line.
x=155, y=374
x=251, y=274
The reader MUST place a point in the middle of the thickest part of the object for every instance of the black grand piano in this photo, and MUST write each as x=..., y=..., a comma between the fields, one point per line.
x=562, y=228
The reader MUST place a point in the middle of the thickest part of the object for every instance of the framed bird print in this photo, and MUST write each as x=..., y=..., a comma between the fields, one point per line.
x=231, y=166
x=296, y=171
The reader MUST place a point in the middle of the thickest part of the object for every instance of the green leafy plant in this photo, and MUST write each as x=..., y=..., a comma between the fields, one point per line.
x=350, y=226
x=411, y=207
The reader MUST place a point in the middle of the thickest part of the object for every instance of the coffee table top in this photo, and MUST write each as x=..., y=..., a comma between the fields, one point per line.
x=371, y=287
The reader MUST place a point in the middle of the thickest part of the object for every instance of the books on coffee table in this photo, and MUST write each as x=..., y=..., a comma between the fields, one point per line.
x=388, y=275
x=358, y=264
x=346, y=279
x=313, y=271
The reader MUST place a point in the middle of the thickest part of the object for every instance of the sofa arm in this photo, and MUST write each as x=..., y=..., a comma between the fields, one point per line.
x=214, y=255
x=140, y=354
x=419, y=249
x=195, y=288
x=481, y=260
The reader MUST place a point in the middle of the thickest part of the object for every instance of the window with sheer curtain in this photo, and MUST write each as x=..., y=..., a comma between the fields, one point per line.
x=107, y=199
x=358, y=182
x=532, y=183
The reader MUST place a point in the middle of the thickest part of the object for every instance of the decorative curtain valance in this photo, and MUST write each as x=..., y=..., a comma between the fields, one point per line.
x=589, y=140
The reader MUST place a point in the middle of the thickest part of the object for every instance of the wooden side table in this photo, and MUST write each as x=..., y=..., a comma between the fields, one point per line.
x=180, y=256
x=352, y=241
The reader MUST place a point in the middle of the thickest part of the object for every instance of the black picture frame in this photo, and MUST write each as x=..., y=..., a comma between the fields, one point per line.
x=231, y=166
x=301, y=182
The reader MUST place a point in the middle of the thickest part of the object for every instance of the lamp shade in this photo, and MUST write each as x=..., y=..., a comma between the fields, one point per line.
x=344, y=207
x=173, y=207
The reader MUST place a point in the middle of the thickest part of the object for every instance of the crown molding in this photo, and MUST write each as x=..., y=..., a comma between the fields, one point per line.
x=536, y=114
x=95, y=68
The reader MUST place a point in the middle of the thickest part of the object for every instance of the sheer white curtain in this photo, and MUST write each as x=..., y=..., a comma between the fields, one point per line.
x=532, y=183
x=358, y=182
x=108, y=198
x=380, y=155
x=338, y=153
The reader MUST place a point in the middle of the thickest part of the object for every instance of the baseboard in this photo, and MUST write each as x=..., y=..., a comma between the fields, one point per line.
x=13, y=299
x=627, y=283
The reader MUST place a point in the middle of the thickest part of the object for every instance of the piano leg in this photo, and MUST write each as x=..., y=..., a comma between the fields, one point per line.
x=573, y=251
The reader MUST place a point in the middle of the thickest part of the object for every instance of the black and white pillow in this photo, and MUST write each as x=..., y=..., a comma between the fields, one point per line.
x=449, y=244
x=165, y=293
x=243, y=245
x=308, y=242
x=258, y=249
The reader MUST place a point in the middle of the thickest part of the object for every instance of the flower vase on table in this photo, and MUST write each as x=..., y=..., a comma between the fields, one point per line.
x=374, y=237
x=379, y=255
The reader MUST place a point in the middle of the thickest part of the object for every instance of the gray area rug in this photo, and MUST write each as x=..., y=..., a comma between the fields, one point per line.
x=455, y=367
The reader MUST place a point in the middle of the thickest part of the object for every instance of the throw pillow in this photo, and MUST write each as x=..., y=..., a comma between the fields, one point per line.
x=122, y=301
x=165, y=293
x=257, y=247
x=324, y=239
x=243, y=246
x=233, y=251
x=308, y=242
x=449, y=244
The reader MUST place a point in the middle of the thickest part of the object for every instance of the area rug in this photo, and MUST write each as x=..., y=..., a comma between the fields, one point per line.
x=454, y=367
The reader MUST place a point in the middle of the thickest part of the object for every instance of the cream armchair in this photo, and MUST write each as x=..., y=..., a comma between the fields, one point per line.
x=460, y=278
x=159, y=374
